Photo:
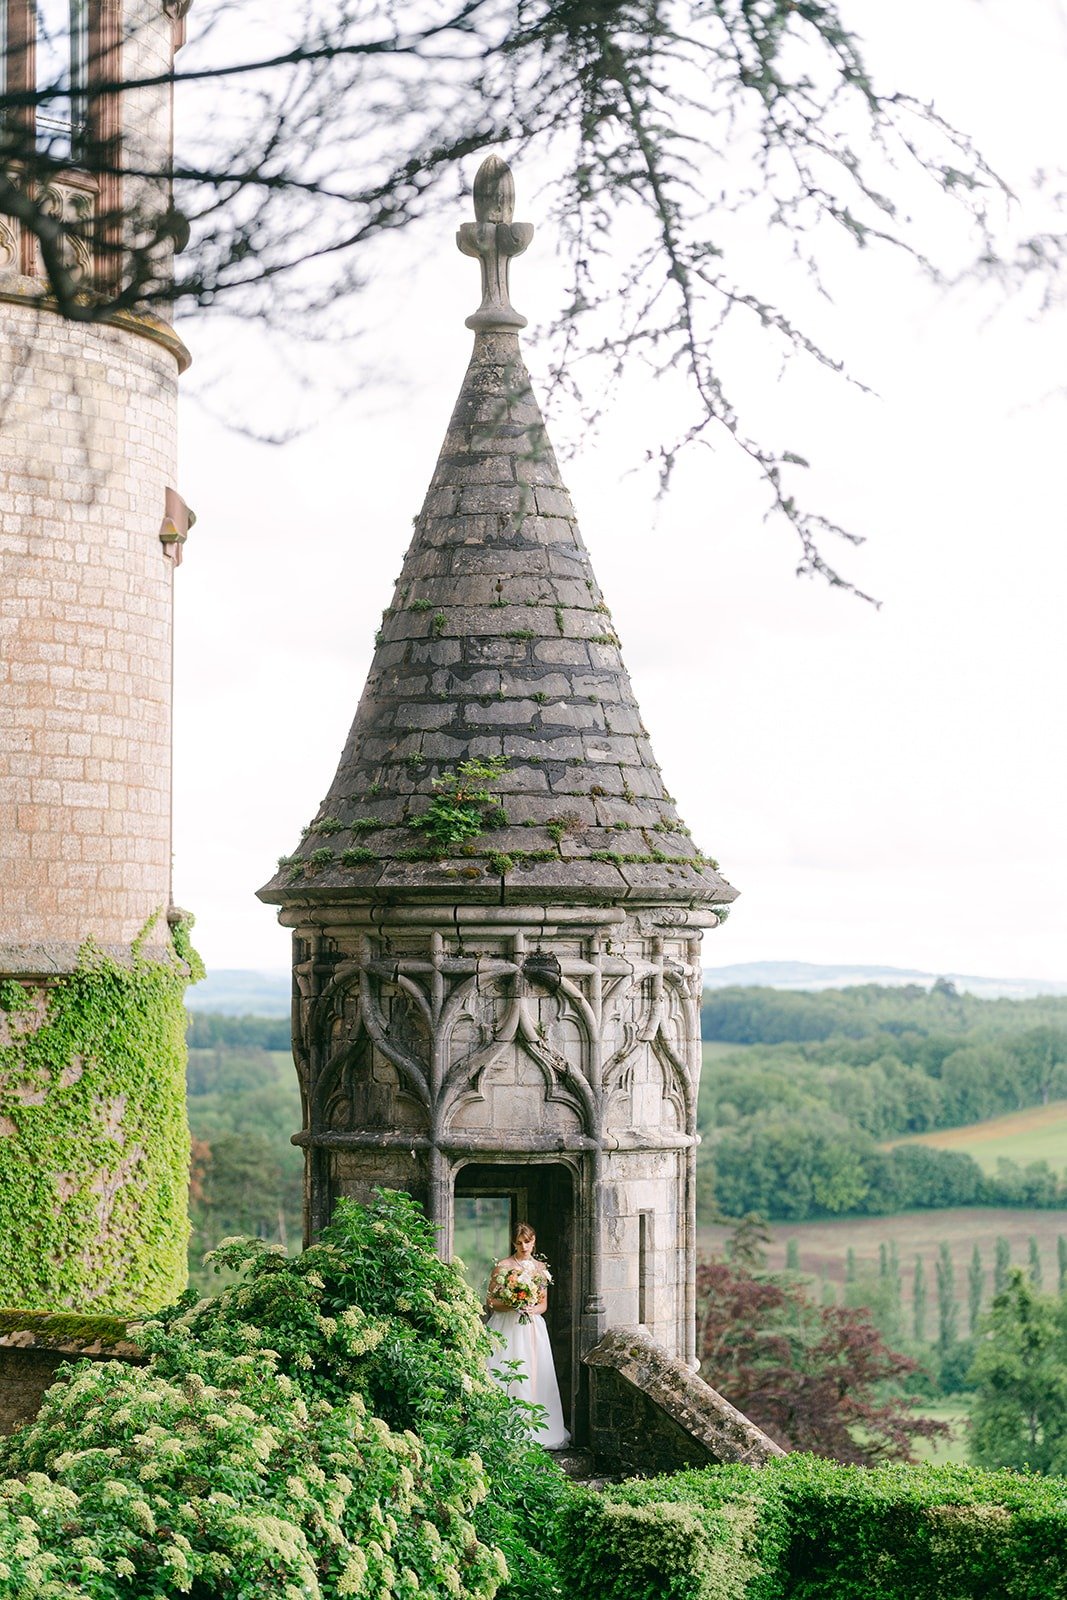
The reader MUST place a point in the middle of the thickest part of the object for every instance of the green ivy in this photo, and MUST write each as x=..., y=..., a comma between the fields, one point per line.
x=14, y=996
x=94, y=1153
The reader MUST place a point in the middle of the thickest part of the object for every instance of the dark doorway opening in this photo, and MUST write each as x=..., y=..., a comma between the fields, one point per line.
x=542, y=1194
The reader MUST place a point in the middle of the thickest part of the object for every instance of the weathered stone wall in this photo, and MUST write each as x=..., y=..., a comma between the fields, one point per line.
x=87, y=448
x=649, y=1413
x=29, y=1363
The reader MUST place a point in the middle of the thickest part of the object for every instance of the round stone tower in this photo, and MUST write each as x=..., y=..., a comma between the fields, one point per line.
x=93, y=1147
x=497, y=911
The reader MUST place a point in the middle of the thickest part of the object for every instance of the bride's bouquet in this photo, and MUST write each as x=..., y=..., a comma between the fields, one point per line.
x=519, y=1288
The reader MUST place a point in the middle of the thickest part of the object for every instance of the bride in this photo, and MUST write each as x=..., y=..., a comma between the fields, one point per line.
x=518, y=1300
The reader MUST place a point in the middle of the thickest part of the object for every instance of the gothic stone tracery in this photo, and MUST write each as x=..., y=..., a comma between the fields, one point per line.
x=421, y=1048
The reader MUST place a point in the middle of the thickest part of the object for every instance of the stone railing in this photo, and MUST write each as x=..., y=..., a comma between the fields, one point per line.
x=650, y=1414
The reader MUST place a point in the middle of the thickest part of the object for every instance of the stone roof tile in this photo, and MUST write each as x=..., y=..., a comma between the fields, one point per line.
x=497, y=643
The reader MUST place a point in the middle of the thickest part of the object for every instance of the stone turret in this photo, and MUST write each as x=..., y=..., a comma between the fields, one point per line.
x=497, y=911
x=93, y=1142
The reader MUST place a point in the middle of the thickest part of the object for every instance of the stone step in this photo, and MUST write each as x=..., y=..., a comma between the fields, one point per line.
x=575, y=1463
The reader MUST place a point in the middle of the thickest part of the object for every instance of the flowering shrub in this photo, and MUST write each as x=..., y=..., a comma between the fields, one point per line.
x=317, y=1430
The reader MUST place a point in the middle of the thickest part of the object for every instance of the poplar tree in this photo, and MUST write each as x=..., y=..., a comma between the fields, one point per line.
x=975, y=1285
x=1037, y=1275
x=947, y=1310
x=1001, y=1264
x=918, y=1302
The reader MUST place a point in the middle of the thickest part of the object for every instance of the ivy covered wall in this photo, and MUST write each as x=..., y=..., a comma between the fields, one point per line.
x=94, y=1144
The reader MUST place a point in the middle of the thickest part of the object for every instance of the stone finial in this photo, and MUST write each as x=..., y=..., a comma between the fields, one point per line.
x=493, y=238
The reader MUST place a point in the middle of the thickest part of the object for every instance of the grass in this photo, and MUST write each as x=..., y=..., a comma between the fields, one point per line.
x=956, y=1412
x=713, y=1048
x=1036, y=1134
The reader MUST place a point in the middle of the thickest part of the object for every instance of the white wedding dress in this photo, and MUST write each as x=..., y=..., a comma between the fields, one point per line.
x=527, y=1343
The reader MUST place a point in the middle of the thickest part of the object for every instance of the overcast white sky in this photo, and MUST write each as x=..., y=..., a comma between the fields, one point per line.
x=882, y=786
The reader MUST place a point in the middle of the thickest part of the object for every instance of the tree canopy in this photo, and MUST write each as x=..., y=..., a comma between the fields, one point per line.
x=1020, y=1374
x=668, y=133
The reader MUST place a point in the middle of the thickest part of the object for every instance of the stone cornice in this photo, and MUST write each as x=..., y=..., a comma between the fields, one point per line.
x=18, y=289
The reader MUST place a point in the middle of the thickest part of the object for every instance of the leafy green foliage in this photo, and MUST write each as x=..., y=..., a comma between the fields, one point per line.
x=15, y=996
x=796, y=1119
x=211, y=1473
x=210, y=1030
x=323, y=1427
x=422, y=1365
x=95, y=1171
x=759, y=1015
x=1020, y=1373
x=805, y=1529
x=463, y=807
x=61, y=1328
x=243, y=1104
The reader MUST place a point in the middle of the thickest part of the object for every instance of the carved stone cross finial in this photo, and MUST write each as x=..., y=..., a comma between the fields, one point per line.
x=493, y=238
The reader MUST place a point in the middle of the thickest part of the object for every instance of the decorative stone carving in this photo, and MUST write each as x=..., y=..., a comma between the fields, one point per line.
x=72, y=208
x=425, y=1047
x=9, y=245
x=493, y=239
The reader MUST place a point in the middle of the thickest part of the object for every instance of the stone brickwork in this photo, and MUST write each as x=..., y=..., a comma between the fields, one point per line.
x=87, y=455
x=649, y=1413
x=148, y=40
x=86, y=450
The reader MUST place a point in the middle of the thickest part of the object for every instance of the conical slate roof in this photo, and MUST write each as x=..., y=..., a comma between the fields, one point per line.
x=497, y=644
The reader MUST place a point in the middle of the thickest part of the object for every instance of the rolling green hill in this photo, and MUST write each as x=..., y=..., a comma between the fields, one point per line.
x=1039, y=1133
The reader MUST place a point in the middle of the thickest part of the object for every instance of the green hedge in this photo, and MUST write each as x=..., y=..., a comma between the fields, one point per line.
x=807, y=1529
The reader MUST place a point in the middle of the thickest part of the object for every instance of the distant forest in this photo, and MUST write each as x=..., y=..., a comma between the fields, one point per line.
x=793, y=1121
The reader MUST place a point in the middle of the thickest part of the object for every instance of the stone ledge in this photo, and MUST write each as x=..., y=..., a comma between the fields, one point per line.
x=17, y=289
x=57, y=958
x=68, y=1334
x=650, y=1414
x=35, y=1344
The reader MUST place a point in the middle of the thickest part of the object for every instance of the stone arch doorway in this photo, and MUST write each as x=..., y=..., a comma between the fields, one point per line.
x=547, y=1195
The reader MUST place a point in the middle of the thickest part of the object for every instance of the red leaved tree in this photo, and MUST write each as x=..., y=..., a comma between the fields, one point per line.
x=815, y=1378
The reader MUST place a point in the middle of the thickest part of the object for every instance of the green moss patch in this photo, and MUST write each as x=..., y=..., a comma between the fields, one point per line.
x=63, y=1329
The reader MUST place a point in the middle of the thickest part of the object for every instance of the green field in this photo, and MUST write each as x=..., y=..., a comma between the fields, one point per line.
x=1036, y=1134
x=956, y=1412
x=713, y=1048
